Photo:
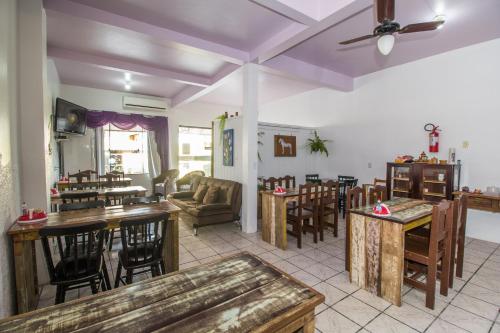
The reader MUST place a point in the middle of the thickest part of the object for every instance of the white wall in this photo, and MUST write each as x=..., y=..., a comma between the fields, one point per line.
x=304, y=163
x=9, y=166
x=384, y=116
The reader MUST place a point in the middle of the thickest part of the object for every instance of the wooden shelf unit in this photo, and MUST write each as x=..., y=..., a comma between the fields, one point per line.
x=410, y=180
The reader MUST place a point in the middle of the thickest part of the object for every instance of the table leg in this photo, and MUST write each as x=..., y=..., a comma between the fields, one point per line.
x=26, y=276
x=171, y=245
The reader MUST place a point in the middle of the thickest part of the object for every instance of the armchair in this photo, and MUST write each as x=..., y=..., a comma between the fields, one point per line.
x=164, y=183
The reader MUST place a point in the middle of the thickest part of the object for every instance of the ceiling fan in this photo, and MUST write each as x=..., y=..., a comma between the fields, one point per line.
x=387, y=27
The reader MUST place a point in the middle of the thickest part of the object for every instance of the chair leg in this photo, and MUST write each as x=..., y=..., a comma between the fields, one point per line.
x=111, y=237
x=93, y=286
x=128, y=279
x=460, y=251
x=118, y=274
x=106, y=285
x=430, y=293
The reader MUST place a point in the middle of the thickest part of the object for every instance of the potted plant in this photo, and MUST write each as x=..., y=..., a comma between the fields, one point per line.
x=316, y=144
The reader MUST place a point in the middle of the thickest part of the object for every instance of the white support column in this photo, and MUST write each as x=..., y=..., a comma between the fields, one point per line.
x=249, y=153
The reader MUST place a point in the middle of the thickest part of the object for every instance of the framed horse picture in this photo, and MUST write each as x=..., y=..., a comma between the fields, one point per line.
x=285, y=146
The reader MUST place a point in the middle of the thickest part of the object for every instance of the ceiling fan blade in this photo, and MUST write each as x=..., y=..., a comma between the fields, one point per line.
x=425, y=26
x=385, y=10
x=358, y=39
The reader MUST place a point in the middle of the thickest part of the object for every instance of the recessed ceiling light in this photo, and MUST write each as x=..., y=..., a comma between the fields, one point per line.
x=127, y=86
x=128, y=76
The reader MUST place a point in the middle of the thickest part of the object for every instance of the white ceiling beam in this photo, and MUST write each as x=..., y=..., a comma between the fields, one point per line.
x=173, y=38
x=282, y=9
x=127, y=66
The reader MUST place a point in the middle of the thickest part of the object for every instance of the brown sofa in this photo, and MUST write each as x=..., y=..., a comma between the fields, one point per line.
x=226, y=209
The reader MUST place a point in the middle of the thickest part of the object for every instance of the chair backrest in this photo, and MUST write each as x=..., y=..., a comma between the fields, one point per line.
x=81, y=205
x=79, y=247
x=141, y=200
x=270, y=183
x=330, y=191
x=313, y=178
x=378, y=192
x=116, y=197
x=79, y=197
x=142, y=238
x=355, y=198
x=379, y=181
x=288, y=181
x=441, y=225
x=79, y=176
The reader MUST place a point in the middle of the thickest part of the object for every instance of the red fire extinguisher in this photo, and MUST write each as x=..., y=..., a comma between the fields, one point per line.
x=433, y=137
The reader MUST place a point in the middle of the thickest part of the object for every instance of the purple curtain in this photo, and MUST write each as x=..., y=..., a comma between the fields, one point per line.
x=159, y=125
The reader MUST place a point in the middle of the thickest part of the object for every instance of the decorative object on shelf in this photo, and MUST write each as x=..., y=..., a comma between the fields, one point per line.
x=423, y=158
x=228, y=147
x=316, y=144
x=285, y=146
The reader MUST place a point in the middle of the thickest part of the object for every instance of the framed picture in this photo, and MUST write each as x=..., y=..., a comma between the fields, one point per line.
x=228, y=147
x=285, y=146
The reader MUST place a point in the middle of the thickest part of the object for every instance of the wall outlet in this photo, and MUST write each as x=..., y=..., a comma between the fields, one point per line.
x=369, y=165
x=465, y=144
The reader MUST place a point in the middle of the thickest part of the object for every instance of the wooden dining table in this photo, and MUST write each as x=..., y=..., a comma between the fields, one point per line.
x=65, y=184
x=378, y=242
x=274, y=209
x=24, y=235
x=240, y=293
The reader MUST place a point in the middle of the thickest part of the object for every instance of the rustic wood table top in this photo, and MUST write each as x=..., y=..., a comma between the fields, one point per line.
x=108, y=214
x=403, y=210
x=240, y=293
x=101, y=191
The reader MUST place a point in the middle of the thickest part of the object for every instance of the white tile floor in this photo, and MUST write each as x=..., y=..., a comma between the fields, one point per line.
x=472, y=306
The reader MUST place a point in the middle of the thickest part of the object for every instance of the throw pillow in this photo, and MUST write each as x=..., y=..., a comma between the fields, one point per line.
x=200, y=193
x=211, y=195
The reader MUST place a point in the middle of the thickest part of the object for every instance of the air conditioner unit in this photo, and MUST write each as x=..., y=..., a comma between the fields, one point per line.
x=139, y=103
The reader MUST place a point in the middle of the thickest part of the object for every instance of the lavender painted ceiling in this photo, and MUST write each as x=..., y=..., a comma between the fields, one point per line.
x=467, y=22
x=237, y=23
x=179, y=49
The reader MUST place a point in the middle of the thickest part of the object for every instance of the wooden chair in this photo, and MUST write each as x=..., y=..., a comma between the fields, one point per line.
x=81, y=205
x=379, y=181
x=80, y=249
x=345, y=183
x=289, y=181
x=297, y=217
x=377, y=192
x=313, y=225
x=115, y=198
x=79, y=197
x=328, y=206
x=142, y=247
x=141, y=200
x=457, y=240
x=355, y=198
x=423, y=257
x=313, y=178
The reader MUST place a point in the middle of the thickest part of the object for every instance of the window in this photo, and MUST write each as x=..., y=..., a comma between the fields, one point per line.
x=125, y=150
x=195, y=149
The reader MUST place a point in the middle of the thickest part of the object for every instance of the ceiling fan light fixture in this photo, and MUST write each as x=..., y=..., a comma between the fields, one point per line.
x=385, y=44
x=438, y=18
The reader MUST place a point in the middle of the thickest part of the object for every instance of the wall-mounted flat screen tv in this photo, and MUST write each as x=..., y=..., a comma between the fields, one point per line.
x=70, y=118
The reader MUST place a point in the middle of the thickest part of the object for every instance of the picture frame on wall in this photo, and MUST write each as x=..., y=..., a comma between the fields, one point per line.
x=285, y=146
x=228, y=147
